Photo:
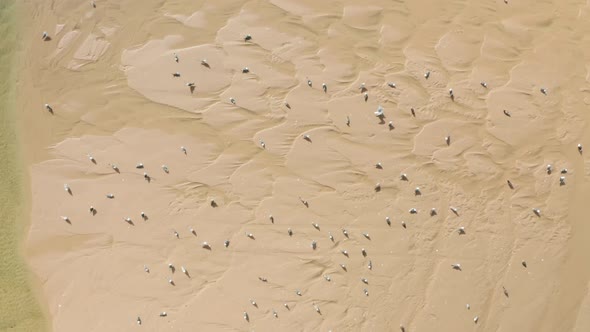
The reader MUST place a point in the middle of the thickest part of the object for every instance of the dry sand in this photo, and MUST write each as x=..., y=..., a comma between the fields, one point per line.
x=108, y=74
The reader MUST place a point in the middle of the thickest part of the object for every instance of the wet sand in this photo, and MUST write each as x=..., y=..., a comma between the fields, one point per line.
x=224, y=158
x=19, y=309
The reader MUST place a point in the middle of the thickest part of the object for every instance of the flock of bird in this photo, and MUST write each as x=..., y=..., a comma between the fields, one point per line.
x=379, y=113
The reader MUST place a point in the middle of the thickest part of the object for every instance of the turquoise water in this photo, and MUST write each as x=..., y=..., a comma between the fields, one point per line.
x=19, y=310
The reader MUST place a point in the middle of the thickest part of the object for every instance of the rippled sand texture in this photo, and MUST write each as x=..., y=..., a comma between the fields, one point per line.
x=108, y=75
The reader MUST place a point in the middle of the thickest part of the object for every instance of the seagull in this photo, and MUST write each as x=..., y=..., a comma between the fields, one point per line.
x=206, y=245
x=391, y=84
x=580, y=148
x=484, y=84
x=427, y=75
x=562, y=180
x=362, y=87
x=388, y=221
x=327, y=277
x=247, y=38
x=175, y=57
x=165, y=169
x=316, y=226
x=456, y=266
x=379, y=111
x=176, y=74
x=403, y=177
x=549, y=169
x=245, y=70
x=139, y=166
x=183, y=149
x=345, y=232
x=364, y=280
x=226, y=243
x=324, y=87
x=314, y=245
x=205, y=63
x=290, y=232
x=111, y=196
x=544, y=91
x=537, y=212
x=309, y=83
x=366, y=96
x=413, y=211
x=232, y=100
x=45, y=36
x=331, y=237
x=49, y=108
x=461, y=230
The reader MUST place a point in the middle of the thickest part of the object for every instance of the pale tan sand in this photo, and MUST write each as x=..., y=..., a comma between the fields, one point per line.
x=109, y=78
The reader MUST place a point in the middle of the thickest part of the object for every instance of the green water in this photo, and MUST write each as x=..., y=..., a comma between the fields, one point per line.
x=19, y=310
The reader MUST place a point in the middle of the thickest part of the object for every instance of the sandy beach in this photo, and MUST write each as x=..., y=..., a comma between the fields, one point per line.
x=296, y=165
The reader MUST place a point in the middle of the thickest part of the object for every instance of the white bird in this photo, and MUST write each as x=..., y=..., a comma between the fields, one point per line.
x=366, y=235
x=45, y=35
x=232, y=100
x=456, y=266
x=544, y=91
x=67, y=188
x=461, y=230
x=183, y=269
x=246, y=316
x=183, y=149
x=176, y=57
x=290, y=232
x=309, y=83
x=143, y=215
x=580, y=148
x=165, y=168
x=391, y=84
x=364, y=280
x=451, y=93
x=146, y=269
x=345, y=232
x=91, y=158
x=454, y=209
x=427, y=75
x=484, y=84
x=413, y=211
x=327, y=277
x=205, y=245
x=388, y=221
x=417, y=191
x=379, y=111
x=111, y=196
x=139, y=166
x=370, y=265
x=171, y=282
x=475, y=319
x=262, y=144
x=404, y=177
x=65, y=218
x=316, y=226
x=331, y=237
x=115, y=167
x=448, y=140
x=245, y=70
x=176, y=234
x=313, y=245
x=433, y=212
x=163, y=314
x=366, y=291
x=324, y=87
x=226, y=243
x=562, y=180
x=275, y=314
x=49, y=108
x=537, y=212
x=250, y=235
x=549, y=168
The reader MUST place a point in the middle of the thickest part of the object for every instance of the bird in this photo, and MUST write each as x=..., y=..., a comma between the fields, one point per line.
x=226, y=243
x=484, y=84
x=205, y=63
x=456, y=266
x=413, y=211
x=427, y=75
x=388, y=221
x=324, y=87
x=391, y=84
x=232, y=100
x=245, y=70
x=461, y=230
x=290, y=232
x=45, y=36
x=49, y=108
x=543, y=91
x=247, y=38
x=379, y=111
x=206, y=245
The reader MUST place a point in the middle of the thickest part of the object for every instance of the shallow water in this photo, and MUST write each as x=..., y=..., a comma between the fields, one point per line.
x=18, y=308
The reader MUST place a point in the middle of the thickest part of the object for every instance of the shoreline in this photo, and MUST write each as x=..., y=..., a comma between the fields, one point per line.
x=20, y=308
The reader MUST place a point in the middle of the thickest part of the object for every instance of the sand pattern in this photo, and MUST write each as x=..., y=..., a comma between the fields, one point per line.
x=314, y=165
